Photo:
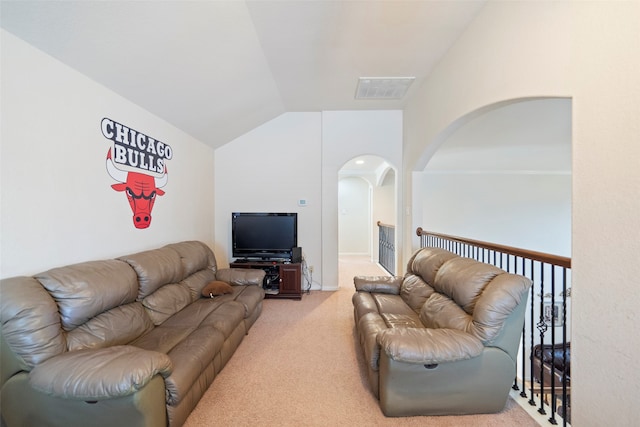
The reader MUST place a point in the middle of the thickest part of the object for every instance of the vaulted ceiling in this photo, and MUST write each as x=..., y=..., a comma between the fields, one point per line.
x=217, y=69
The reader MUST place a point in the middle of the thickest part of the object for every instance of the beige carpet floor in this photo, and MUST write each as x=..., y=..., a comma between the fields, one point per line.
x=300, y=366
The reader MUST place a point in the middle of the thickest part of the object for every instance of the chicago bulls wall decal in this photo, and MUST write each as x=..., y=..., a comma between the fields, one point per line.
x=137, y=162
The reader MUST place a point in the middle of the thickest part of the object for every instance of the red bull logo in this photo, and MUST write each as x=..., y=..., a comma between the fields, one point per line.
x=137, y=162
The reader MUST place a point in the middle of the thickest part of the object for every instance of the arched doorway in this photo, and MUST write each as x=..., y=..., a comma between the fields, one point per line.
x=367, y=189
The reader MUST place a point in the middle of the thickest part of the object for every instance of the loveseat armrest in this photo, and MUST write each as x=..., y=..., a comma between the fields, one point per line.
x=380, y=284
x=96, y=374
x=428, y=346
x=241, y=276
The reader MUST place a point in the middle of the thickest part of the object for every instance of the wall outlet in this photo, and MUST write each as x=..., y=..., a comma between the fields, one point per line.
x=311, y=269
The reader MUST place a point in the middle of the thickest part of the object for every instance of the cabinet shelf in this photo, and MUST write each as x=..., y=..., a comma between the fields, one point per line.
x=282, y=279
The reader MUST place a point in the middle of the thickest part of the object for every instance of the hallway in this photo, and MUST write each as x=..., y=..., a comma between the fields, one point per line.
x=357, y=265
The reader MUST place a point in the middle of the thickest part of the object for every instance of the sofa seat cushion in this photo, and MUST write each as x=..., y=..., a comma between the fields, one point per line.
x=372, y=318
x=402, y=320
x=226, y=317
x=193, y=314
x=163, y=338
x=190, y=357
x=247, y=295
x=392, y=304
x=175, y=329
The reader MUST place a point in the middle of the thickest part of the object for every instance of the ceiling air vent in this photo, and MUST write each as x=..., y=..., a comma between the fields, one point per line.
x=383, y=87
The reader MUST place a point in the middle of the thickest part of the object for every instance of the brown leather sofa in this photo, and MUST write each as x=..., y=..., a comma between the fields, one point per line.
x=121, y=342
x=443, y=339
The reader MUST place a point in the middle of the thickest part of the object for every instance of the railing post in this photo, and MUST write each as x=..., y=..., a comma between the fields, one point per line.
x=386, y=247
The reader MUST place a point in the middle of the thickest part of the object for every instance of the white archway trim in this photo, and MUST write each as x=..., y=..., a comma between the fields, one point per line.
x=442, y=136
x=381, y=173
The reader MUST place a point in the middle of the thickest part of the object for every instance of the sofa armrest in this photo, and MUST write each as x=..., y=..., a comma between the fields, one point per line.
x=241, y=276
x=96, y=374
x=380, y=284
x=428, y=346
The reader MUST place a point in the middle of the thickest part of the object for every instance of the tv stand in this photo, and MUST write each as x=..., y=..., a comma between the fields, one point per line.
x=282, y=279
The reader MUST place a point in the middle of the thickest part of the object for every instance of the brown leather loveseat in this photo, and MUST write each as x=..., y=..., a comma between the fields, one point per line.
x=443, y=339
x=122, y=342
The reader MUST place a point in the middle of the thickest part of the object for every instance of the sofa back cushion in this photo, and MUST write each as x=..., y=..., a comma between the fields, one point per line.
x=155, y=268
x=195, y=256
x=421, y=272
x=30, y=325
x=82, y=291
x=473, y=297
x=427, y=262
x=464, y=280
x=166, y=301
x=172, y=277
x=118, y=326
x=414, y=291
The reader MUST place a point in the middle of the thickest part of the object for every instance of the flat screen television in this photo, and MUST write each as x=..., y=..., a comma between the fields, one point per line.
x=263, y=235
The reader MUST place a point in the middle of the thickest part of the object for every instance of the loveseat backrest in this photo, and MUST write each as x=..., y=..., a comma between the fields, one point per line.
x=474, y=297
x=427, y=262
x=422, y=268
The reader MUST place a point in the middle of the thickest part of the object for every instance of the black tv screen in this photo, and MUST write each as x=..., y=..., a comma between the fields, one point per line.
x=263, y=235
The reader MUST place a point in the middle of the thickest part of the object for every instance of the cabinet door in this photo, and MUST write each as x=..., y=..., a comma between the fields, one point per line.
x=290, y=279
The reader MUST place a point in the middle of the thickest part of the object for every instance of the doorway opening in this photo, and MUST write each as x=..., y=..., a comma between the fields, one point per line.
x=367, y=194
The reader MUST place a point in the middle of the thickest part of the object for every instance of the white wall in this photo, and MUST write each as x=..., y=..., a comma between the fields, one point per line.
x=606, y=224
x=57, y=204
x=354, y=210
x=384, y=195
x=269, y=170
x=530, y=211
x=586, y=51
